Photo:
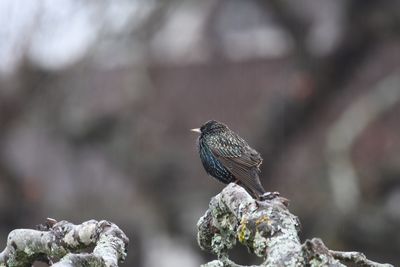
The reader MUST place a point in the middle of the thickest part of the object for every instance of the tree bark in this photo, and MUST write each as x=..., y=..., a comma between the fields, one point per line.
x=267, y=229
x=64, y=242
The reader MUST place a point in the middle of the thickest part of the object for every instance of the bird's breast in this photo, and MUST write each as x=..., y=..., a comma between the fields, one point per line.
x=212, y=165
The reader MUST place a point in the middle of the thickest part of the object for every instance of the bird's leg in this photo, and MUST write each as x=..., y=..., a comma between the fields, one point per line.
x=269, y=195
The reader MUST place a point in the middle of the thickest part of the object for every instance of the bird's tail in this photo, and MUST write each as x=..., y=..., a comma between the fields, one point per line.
x=254, y=187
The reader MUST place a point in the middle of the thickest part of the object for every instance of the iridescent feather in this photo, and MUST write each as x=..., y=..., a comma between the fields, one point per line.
x=228, y=158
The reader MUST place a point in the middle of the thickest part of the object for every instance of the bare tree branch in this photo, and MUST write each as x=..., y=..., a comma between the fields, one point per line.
x=266, y=228
x=319, y=78
x=356, y=257
x=63, y=242
x=346, y=130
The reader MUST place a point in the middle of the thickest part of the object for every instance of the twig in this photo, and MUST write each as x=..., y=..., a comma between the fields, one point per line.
x=357, y=258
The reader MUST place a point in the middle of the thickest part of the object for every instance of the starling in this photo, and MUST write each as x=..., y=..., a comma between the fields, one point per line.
x=228, y=158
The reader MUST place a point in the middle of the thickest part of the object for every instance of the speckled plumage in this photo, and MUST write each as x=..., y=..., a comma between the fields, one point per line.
x=228, y=158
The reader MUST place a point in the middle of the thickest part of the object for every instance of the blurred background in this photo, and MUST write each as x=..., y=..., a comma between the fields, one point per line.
x=97, y=99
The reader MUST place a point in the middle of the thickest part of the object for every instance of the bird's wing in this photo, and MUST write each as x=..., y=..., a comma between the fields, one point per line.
x=243, y=162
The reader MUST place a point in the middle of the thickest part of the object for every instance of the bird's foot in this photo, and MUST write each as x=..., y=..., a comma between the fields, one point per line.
x=269, y=195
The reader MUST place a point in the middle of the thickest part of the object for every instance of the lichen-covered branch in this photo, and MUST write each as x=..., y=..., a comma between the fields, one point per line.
x=357, y=258
x=63, y=243
x=266, y=228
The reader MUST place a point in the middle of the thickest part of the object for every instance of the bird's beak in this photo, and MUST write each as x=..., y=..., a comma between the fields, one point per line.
x=196, y=130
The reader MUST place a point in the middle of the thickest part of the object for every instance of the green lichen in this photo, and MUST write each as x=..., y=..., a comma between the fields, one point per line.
x=234, y=215
x=260, y=244
x=243, y=232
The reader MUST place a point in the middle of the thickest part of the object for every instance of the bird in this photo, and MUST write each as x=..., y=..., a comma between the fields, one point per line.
x=229, y=158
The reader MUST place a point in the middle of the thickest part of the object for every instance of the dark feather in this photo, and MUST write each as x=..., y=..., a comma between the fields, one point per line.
x=244, y=167
x=228, y=158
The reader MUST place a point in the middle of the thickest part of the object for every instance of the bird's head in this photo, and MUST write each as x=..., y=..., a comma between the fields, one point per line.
x=211, y=126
